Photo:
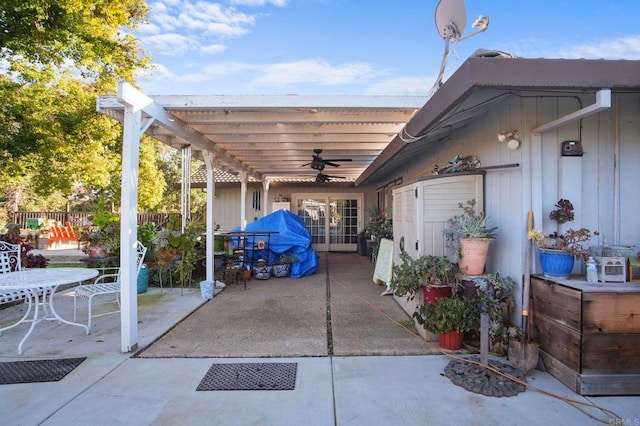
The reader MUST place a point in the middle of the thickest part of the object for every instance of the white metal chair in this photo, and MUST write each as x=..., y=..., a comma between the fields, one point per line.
x=107, y=284
x=10, y=261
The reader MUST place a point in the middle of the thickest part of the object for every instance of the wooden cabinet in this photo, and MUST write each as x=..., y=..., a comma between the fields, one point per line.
x=589, y=334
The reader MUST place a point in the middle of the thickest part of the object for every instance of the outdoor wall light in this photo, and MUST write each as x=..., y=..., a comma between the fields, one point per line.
x=512, y=138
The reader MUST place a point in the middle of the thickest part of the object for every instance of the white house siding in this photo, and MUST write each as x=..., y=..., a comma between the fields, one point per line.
x=227, y=202
x=628, y=122
x=602, y=135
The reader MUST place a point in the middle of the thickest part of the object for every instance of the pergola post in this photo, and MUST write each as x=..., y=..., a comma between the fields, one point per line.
x=132, y=129
x=265, y=200
x=243, y=200
x=209, y=161
x=185, y=199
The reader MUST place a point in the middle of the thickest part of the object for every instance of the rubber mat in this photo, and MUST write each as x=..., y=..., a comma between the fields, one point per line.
x=48, y=370
x=250, y=376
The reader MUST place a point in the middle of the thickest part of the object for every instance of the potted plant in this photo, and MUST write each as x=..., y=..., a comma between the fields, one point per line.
x=261, y=270
x=436, y=276
x=146, y=234
x=282, y=268
x=469, y=235
x=496, y=297
x=558, y=250
x=102, y=239
x=450, y=318
x=380, y=223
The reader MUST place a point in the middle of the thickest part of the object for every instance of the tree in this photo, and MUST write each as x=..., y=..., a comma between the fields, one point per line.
x=89, y=34
x=60, y=54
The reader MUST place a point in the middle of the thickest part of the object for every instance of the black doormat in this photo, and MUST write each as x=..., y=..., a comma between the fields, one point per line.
x=48, y=370
x=250, y=376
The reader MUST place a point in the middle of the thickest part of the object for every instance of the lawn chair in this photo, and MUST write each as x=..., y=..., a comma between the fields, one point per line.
x=107, y=284
x=70, y=234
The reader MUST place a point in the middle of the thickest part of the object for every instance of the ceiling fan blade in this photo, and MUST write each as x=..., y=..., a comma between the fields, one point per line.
x=329, y=163
x=338, y=159
x=305, y=165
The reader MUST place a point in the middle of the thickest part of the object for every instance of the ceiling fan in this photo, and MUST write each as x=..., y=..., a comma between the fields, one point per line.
x=318, y=162
x=321, y=177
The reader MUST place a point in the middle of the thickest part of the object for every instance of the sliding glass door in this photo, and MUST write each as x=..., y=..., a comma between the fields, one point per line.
x=333, y=220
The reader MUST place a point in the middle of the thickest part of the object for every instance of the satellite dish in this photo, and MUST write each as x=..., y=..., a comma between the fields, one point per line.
x=451, y=18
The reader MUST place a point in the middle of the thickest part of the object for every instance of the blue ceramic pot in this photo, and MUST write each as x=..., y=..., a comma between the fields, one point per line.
x=143, y=279
x=556, y=264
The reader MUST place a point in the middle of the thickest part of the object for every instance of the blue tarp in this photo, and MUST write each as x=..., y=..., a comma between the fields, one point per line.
x=291, y=237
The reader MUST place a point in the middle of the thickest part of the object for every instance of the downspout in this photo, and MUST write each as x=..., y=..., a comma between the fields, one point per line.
x=616, y=176
x=533, y=189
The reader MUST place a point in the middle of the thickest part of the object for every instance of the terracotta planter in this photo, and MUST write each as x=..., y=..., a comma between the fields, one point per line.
x=451, y=340
x=432, y=293
x=473, y=255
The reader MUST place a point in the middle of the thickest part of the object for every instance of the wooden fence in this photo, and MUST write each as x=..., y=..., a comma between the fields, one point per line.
x=81, y=218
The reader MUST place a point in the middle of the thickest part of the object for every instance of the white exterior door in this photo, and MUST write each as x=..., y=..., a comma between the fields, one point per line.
x=333, y=220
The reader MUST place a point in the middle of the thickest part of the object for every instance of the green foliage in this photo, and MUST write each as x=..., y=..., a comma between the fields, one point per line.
x=91, y=35
x=104, y=218
x=287, y=258
x=496, y=295
x=571, y=240
x=412, y=274
x=172, y=244
x=449, y=314
x=468, y=225
x=380, y=223
x=188, y=244
x=54, y=147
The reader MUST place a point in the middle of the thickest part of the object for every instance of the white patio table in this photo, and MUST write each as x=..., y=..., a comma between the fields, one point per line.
x=47, y=280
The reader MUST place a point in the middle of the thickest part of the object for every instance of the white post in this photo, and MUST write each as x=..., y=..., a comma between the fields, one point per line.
x=129, y=219
x=186, y=186
x=243, y=200
x=265, y=200
x=209, y=161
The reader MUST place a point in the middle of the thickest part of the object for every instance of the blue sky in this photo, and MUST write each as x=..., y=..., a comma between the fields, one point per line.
x=359, y=47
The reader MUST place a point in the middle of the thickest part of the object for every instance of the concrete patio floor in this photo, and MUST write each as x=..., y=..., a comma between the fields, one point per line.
x=113, y=388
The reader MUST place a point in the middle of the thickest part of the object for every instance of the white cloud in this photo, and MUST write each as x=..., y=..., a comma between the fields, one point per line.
x=170, y=44
x=313, y=71
x=405, y=86
x=201, y=24
x=620, y=48
x=156, y=72
x=213, y=48
x=280, y=3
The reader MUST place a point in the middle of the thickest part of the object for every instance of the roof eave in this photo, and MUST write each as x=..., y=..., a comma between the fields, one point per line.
x=510, y=74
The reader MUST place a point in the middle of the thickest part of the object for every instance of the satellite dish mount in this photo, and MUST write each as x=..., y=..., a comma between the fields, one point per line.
x=451, y=18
